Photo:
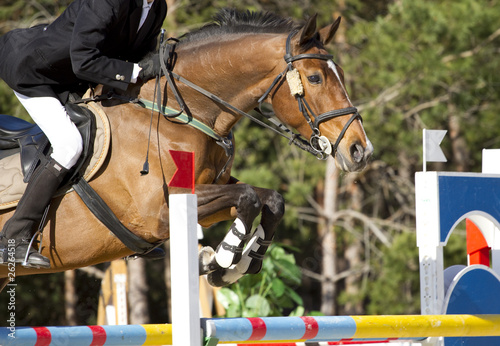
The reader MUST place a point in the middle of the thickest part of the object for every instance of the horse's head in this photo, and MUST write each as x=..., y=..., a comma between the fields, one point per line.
x=314, y=99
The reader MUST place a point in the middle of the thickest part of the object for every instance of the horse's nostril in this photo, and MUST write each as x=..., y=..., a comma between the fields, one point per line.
x=357, y=153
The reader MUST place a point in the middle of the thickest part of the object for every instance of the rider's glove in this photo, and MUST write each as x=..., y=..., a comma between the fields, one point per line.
x=150, y=67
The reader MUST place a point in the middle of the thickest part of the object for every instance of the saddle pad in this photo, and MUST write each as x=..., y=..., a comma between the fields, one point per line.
x=12, y=186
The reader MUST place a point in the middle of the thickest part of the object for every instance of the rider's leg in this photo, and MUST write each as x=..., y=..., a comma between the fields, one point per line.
x=50, y=115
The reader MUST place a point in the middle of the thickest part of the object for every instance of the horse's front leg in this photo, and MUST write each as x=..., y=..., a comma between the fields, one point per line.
x=224, y=202
x=273, y=208
x=216, y=203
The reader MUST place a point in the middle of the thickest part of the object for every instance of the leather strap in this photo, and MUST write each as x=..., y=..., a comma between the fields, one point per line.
x=102, y=211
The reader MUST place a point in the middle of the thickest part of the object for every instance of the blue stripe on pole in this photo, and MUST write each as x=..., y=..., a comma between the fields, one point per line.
x=125, y=335
x=238, y=329
x=10, y=337
x=76, y=336
x=279, y=327
x=340, y=327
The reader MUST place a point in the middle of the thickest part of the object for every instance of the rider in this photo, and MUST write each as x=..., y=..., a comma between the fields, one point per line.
x=91, y=42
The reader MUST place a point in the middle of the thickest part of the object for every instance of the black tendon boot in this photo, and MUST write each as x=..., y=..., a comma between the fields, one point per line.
x=17, y=232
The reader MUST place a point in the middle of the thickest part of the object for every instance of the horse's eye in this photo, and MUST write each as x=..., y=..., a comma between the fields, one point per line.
x=314, y=79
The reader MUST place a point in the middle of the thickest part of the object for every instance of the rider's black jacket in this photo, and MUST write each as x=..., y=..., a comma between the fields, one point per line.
x=92, y=41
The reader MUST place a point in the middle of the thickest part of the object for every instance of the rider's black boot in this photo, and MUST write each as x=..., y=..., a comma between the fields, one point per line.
x=17, y=232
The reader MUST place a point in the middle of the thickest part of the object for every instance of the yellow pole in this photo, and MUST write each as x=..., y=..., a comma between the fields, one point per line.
x=392, y=326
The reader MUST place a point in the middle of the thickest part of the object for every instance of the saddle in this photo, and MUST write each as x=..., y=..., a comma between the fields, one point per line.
x=23, y=146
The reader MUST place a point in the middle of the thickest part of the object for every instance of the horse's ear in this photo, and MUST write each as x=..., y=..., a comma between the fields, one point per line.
x=308, y=30
x=326, y=34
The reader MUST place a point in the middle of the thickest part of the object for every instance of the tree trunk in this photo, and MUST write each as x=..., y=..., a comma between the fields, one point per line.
x=170, y=20
x=70, y=298
x=353, y=255
x=138, y=291
x=329, y=241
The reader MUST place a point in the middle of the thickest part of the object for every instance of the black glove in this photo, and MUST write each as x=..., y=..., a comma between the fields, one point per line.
x=151, y=67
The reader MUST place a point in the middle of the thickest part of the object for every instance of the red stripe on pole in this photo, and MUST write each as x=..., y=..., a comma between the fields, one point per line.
x=259, y=328
x=43, y=336
x=98, y=335
x=311, y=327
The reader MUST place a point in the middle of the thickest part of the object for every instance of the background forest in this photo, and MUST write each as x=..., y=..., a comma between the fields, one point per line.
x=409, y=65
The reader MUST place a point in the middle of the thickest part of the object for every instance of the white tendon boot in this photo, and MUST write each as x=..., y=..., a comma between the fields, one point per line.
x=245, y=265
x=229, y=250
x=251, y=252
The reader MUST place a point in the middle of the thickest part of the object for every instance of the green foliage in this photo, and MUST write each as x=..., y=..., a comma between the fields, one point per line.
x=24, y=14
x=268, y=293
x=416, y=49
x=397, y=284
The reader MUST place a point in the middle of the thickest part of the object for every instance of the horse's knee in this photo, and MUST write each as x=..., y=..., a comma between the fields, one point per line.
x=274, y=206
x=277, y=204
x=249, y=202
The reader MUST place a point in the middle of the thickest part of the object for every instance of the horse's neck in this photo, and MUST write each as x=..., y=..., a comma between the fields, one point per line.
x=237, y=70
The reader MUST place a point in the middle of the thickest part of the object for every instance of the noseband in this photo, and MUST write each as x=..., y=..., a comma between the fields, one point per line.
x=319, y=143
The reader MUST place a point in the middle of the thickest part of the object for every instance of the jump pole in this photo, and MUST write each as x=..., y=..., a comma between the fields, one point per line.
x=117, y=335
x=186, y=328
x=355, y=328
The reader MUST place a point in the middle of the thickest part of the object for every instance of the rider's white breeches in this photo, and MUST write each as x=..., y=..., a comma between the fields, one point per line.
x=50, y=115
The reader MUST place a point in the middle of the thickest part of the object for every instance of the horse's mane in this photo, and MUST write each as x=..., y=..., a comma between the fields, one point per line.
x=230, y=21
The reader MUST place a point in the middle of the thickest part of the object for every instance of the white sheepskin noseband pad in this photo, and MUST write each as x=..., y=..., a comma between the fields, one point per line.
x=294, y=82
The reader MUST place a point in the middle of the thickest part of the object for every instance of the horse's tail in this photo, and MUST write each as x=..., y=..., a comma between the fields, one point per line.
x=3, y=283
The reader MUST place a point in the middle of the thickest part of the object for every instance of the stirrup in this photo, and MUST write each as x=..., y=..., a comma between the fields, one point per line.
x=26, y=263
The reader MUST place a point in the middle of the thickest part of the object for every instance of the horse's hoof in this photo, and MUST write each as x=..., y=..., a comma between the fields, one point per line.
x=206, y=260
x=224, y=277
x=215, y=278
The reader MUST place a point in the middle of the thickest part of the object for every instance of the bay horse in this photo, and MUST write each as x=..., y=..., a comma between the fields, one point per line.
x=220, y=72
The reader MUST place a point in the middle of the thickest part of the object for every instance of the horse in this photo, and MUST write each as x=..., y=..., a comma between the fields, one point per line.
x=214, y=75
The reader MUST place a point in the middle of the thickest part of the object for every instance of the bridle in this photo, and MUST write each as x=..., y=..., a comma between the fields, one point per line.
x=319, y=143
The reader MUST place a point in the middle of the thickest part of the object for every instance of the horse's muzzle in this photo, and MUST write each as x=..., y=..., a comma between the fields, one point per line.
x=356, y=158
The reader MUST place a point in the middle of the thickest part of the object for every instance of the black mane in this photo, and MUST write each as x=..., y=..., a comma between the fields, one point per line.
x=230, y=21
